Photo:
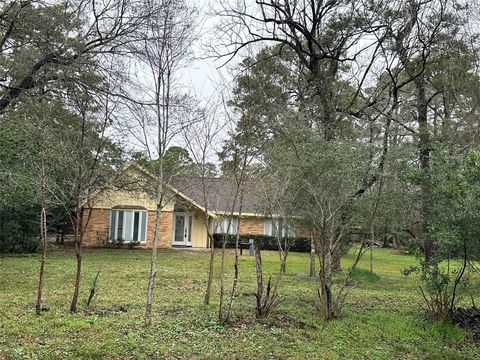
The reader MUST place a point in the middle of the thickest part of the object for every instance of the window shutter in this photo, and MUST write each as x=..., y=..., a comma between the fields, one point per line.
x=113, y=224
x=235, y=222
x=268, y=227
x=128, y=227
x=143, y=226
x=120, y=227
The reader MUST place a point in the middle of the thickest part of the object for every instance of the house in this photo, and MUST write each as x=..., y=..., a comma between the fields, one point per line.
x=127, y=213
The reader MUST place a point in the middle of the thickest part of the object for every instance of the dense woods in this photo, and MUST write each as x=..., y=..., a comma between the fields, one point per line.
x=355, y=117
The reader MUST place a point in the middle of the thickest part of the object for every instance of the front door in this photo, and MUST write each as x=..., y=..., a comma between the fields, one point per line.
x=182, y=229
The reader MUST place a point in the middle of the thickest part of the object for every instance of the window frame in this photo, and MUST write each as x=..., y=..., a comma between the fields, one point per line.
x=222, y=224
x=272, y=225
x=126, y=213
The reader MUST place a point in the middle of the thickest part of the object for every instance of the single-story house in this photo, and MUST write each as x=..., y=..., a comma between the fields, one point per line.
x=193, y=204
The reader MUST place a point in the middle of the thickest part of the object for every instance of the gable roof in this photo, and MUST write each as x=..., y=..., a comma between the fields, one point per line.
x=217, y=194
x=212, y=195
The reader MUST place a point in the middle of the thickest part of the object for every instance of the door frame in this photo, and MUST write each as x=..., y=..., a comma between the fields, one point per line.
x=187, y=236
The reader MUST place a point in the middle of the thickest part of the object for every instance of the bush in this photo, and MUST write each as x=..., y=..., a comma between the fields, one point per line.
x=298, y=244
x=18, y=232
x=122, y=243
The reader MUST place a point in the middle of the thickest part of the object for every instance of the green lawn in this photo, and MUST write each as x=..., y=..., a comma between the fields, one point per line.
x=382, y=318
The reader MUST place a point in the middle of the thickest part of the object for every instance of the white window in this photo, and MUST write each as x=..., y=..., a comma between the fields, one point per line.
x=226, y=225
x=274, y=226
x=128, y=225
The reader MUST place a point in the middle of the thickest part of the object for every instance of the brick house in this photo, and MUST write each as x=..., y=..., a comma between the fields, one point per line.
x=193, y=205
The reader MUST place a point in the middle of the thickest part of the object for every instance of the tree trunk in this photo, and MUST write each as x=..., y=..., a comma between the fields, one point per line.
x=236, y=263
x=325, y=292
x=258, y=267
x=312, y=258
x=153, y=262
x=78, y=255
x=336, y=256
x=236, y=272
x=322, y=81
x=76, y=291
x=283, y=251
x=222, y=280
x=371, y=250
x=424, y=158
x=283, y=266
x=208, y=291
x=43, y=239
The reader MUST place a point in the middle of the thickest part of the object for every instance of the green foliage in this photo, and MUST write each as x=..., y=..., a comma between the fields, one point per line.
x=437, y=290
x=457, y=215
x=177, y=162
x=18, y=229
x=455, y=227
x=46, y=132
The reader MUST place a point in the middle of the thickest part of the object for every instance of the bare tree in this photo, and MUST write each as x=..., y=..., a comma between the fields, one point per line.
x=167, y=47
x=43, y=217
x=277, y=200
x=89, y=30
x=323, y=35
x=88, y=173
x=202, y=141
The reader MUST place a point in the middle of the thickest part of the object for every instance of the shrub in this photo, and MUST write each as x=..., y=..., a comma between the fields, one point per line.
x=18, y=232
x=298, y=244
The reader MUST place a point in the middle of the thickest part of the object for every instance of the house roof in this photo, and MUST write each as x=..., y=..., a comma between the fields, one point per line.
x=217, y=194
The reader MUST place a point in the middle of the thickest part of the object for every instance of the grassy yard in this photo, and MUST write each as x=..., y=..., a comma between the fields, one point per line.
x=382, y=318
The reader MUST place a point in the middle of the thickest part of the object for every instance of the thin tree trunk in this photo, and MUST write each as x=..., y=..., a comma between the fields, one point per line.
x=283, y=266
x=208, y=291
x=43, y=239
x=424, y=157
x=78, y=255
x=371, y=250
x=280, y=252
x=335, y=259
x=77, y=221
x=76, y=291
x=258, y=267
x=222, y=286
x=236, y=263
x=153, y=261
x=325, y=292
x=312, y=258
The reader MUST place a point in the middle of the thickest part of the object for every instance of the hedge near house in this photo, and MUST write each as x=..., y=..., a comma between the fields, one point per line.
x=297, y=244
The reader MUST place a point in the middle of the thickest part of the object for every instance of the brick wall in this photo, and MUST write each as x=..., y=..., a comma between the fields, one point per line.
x=98, y=225
x=166, y=229
x=98, y=228
x=256, y=226
x=97, y=231
x=303, y=231
x=252, y=226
